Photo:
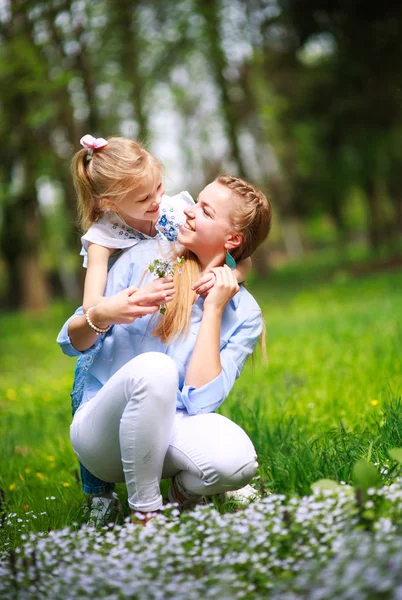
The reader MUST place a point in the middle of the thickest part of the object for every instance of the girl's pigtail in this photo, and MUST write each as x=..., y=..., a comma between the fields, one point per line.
x=88, y=208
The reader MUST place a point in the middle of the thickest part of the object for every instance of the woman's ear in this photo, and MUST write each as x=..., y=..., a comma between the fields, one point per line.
x=234, y=241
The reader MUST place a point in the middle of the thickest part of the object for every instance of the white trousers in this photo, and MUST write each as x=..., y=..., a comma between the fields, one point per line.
x=130, y=431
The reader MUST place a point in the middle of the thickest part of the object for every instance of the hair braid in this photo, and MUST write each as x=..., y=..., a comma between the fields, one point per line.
x=251, y=217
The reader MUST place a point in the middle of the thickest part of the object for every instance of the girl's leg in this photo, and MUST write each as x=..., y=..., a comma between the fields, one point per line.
x=208, y=454
x=93, y=485
x=123, y=433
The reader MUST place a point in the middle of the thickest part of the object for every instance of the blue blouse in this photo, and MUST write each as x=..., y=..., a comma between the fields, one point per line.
x=241, y=326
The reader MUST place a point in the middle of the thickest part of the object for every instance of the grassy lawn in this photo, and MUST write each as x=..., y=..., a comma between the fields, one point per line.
x=331, y=392
x=329, y=395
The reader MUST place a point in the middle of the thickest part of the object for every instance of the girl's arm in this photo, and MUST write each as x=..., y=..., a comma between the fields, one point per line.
x=205, y=362
x=95, y=279
x=206, y=282
x=122, y=308
x=242, y=269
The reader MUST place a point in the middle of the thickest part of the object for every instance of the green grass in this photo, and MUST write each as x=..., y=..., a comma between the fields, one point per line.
x=333, y=384
x=329, y=395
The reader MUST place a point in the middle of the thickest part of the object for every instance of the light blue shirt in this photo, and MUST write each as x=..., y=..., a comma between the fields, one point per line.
x=241, y=326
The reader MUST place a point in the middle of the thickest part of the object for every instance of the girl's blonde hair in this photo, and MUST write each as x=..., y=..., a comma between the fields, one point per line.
x=111, y=173
x=251, y=216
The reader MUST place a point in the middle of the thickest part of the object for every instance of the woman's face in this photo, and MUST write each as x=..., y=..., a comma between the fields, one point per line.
x=208, y=230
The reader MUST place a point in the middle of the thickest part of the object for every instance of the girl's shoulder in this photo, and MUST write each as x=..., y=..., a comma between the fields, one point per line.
x=111, y=227
x=172, y=216
x=110, y=231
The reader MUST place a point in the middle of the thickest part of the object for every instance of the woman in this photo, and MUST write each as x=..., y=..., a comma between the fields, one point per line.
x=147, y=394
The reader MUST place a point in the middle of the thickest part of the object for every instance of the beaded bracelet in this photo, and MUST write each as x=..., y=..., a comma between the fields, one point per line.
x=97, y=330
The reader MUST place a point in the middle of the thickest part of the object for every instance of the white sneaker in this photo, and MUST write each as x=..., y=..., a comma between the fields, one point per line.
x=243, y=496
x=104, y=510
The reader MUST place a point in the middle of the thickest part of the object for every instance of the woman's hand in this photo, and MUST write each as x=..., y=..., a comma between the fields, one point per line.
x=203, y=286
x=224, y=289
x=130, y=304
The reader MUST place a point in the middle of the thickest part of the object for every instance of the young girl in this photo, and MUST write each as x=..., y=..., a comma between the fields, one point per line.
x=122, y=201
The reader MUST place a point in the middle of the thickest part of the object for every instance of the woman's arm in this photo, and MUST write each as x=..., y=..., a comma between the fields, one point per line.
x=205, y=363
x=233, y=355
x=96, y=275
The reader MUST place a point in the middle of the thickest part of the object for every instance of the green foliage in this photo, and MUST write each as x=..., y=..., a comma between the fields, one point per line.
x=396, y=454
x=365, y=477
x=293, y=113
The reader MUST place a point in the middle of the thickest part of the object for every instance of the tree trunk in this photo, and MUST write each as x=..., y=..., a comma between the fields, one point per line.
x=34, y=290
x=27, y=286
x=374, y=225
x=210, y=12
x=396, y=200
x=126, y=21
x=33, y=286
x=291, y=237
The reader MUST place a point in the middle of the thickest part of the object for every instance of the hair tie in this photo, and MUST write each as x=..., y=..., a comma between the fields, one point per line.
x=91, y=144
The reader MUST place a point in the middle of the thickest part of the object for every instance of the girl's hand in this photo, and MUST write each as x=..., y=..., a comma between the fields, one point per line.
x=205, y=284
x=162, y=284
x=225, y=288
x=131, y=304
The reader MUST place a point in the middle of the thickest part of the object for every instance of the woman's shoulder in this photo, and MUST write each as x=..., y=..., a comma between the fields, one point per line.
x=246, y=303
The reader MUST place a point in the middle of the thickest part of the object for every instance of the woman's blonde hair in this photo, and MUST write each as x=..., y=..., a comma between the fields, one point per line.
x=111, y=172
x=251, y=216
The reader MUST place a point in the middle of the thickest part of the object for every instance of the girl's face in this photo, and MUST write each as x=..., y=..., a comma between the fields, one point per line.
x=141, y=204
x=208, y=230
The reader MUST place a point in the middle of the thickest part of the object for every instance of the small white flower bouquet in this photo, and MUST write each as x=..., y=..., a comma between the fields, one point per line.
x=164, y=268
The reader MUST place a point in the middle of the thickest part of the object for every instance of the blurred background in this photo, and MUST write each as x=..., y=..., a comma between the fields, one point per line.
x=301, y=97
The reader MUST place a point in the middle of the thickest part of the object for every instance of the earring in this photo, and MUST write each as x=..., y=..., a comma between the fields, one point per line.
x=230, y=261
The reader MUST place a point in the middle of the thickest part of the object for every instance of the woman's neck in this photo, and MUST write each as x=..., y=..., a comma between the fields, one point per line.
x=208, y=263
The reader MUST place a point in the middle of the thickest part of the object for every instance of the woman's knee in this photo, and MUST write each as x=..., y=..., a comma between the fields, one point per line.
x=221, y=451
x=155, y=373
x=236, y=474
x=237, y=465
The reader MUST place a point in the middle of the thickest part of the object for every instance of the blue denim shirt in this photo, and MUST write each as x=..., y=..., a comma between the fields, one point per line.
x=240, y=329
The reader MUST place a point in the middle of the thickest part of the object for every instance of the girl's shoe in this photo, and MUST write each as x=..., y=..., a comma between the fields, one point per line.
x=104, y=510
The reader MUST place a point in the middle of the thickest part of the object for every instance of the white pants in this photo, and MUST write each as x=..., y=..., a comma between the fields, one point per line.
x=130, y=431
